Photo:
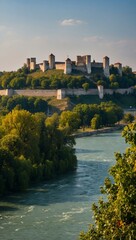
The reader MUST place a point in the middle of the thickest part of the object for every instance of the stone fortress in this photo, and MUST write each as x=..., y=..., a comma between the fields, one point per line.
x=82, y=64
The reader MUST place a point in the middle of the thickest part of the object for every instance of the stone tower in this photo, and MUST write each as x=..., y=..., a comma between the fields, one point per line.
x=32, y=63
x=68, y=66
x=106, y=66
x=51, y=61
x=88, y=63
x=28, y=63
x=45, y=66
x=119, y=67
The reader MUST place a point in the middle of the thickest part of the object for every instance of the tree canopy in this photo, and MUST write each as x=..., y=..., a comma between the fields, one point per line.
x=32, y=148
x=109, y=113
x=54, y=79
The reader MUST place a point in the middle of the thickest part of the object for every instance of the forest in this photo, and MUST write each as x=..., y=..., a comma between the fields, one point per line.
x=36, y=147
x=32, y=148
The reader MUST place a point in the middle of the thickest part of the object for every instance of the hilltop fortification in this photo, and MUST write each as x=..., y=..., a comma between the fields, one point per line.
x=82, y=64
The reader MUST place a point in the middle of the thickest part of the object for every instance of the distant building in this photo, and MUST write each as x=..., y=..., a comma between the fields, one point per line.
x=119, y=67
x=82, y=64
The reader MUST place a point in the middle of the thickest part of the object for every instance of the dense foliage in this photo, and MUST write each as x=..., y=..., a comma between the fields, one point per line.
x=116, y=218
x=127, y=79
x=52, y=79
x=55, y=79
x=31, y=104
x=32, y=148
x=98, y=115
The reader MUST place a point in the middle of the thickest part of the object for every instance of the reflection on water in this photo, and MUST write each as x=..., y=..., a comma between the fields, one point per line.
x=61, y=208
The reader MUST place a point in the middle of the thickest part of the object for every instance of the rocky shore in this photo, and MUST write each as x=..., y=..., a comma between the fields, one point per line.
x=99, y=131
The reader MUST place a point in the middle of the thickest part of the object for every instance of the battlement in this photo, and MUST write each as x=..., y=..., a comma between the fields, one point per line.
x=82, y=64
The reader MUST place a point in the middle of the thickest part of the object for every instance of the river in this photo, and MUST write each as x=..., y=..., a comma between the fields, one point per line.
x=60, y=209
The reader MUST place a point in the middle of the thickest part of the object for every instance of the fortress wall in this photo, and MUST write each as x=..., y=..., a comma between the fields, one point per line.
x=36, y=93
x=80, y=64
x=3, y=92
x=60, y=66
x=80, y=68
x=61, y=93
x=96, y=65
x=81, y=91
x=80, y=60
x=121, y=91
x=41, y=66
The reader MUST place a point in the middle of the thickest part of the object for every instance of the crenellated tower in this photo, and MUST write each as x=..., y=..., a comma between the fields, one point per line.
x=32, y=63
x=106, y=66
x=119, y=67
x=45, y=65
x=28, y=63
x=68, y=66
x=88, y=63
x=51, y=61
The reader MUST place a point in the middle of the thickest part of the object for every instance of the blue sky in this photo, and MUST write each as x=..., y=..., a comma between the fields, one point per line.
x=36, y=28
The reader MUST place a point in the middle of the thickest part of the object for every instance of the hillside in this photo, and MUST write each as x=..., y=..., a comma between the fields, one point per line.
x=55, y=74
x=124, y=101
x=48, y=74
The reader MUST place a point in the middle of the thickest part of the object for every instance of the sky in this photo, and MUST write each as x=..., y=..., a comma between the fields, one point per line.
x=67, y=28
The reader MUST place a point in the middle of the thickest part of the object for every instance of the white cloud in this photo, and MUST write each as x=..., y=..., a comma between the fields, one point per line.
x=71, y=22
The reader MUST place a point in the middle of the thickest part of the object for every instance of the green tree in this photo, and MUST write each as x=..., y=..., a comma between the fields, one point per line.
x=13, y=144
x=127, y=70
x=85, y=86
x=40, y=105
x=116, y=218
x=53, y=121
x=112, y=78
x=130, y=133
x=69, y=120
x=84, y=113
x=128, y=118
x=6, y=170
x=22, y=124
x=114, y=85
x=59, y=148
x=96, y=121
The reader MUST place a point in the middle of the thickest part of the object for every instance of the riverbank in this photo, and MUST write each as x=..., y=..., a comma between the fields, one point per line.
x=86, y=133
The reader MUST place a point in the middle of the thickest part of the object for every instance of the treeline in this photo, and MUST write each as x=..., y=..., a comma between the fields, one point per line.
x=98, y=115
x=82, y=115
x=31, y=104
x=114, y=81
x=55, y=79
x=23, y=78
x=33, y=148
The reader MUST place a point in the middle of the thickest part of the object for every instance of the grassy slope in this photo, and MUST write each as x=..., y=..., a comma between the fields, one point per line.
x=49, y=73
x=57, y=73
x=69, y=102
x=124, y=101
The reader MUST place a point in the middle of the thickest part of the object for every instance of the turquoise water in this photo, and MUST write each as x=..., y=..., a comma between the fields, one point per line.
x=61, y=208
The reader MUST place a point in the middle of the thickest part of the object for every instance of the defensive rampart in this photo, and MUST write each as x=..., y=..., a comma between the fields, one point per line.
x=36, y=93
x=62, y=93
